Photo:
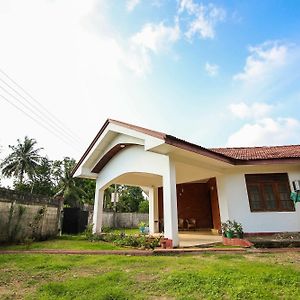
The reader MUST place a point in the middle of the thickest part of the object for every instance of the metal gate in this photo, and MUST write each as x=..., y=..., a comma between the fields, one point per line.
x=75, y=220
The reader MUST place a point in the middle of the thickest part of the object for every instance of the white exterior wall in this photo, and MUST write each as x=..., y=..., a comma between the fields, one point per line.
x=234, y=202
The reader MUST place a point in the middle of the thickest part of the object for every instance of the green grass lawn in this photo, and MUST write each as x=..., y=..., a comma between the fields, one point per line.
x=65, y=242
x=71, y=242
x=207, y=276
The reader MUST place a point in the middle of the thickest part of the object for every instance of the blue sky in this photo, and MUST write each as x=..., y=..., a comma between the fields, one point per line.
x=217, y=73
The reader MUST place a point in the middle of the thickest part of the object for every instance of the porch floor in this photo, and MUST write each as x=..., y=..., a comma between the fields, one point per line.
x=197, y=238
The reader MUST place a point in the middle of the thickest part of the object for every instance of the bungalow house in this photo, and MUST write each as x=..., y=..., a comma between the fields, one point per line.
x=189, y=182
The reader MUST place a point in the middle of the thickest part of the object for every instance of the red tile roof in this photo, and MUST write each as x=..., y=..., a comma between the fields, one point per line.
x=254, y=153
x=243, y=155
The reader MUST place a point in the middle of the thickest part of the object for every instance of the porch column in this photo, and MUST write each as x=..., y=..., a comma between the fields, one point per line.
x=153, y=210
x=98, y=210
x=170, y=204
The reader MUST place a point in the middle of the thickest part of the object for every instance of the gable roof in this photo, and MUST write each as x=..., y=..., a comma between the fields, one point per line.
x=266, y=152
x=234, y=156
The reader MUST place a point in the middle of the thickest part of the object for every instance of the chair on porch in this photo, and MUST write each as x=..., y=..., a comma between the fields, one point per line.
x=180, y=223
x=191, y=223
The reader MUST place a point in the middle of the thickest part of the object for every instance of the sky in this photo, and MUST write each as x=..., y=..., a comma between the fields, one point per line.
x=216, y=73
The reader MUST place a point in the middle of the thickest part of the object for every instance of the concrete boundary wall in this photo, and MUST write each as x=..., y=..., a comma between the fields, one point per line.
x=123, y=220
x=27, y=216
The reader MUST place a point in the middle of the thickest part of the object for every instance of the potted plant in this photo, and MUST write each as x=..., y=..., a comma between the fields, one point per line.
x=233, y=234
x=224, y=229
x=144, y=228
x=228, y=229
x=238, y=229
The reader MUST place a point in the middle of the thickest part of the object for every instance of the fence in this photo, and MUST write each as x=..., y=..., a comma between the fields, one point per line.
x=27, y=216
x=123, y=220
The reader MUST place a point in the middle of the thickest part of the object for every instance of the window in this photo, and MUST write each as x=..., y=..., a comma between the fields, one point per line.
x=269, y=192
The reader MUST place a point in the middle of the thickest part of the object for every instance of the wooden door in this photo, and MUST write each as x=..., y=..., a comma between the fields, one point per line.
x=212, y=186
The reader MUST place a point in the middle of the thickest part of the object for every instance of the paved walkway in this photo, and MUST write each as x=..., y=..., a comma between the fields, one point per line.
x=157, y=251
x=133, y=252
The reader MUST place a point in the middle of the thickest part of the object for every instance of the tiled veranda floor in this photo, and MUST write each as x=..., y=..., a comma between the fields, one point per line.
x=197, y=238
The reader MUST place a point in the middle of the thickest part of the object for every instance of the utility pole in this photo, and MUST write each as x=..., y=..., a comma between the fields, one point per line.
x=115, y=206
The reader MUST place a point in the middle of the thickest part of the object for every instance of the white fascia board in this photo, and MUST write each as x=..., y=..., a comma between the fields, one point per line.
x=93, y=151
x=152, y=142
x=83, y=172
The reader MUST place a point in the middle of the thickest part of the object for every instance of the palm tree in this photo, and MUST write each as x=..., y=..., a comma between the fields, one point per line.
x=22, y=161
x=67, y=188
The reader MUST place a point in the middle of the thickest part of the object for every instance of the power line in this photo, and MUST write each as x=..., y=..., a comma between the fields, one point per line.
x=35, y=120
x=46, y=112
x=45, y=117
x=32, y=111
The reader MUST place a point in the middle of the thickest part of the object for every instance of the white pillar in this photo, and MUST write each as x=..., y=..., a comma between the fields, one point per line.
x=223, y=189
x=170, y=204
x=98, y=210
x=153, y=210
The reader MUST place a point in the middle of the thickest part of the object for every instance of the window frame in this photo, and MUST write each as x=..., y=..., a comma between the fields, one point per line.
x=261, y=181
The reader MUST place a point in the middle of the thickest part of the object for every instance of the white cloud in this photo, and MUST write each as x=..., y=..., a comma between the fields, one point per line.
x=156, y=37
x=187, y=5
x=151, y=39
x=262, y=61
x=211, y=69
x=265, y=132
x=131, y=4
x=203, y=18
x=77, y=62
x=250, y=111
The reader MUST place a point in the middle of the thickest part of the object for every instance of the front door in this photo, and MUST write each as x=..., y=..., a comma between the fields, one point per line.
x=193, y=202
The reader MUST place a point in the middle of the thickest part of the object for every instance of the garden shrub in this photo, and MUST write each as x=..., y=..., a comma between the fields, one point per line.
x=121, y=239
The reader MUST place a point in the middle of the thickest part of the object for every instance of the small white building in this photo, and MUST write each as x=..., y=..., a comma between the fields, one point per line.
x=184, y=180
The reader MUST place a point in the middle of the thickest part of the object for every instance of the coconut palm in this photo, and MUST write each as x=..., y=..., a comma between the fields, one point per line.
x=72, y=194
x=22, y=161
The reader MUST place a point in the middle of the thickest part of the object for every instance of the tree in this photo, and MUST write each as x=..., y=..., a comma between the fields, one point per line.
x=88, y=186
x=130, y=198
x=73, y=194
x=107, y=197
x=144, y=206
x=42, y=183
x=23, y=160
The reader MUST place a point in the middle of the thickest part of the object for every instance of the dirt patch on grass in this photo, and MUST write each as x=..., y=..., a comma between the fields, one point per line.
x=289, y=258
x=16, y=289
x=279, y=240
x=142, y=277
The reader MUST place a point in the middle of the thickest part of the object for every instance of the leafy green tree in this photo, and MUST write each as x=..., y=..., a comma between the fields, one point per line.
x=39, y=175
x=67, y=188
x=130, y=198
x=88, y=186
x=42, y=182
x=23, y=160
x=144, y=206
